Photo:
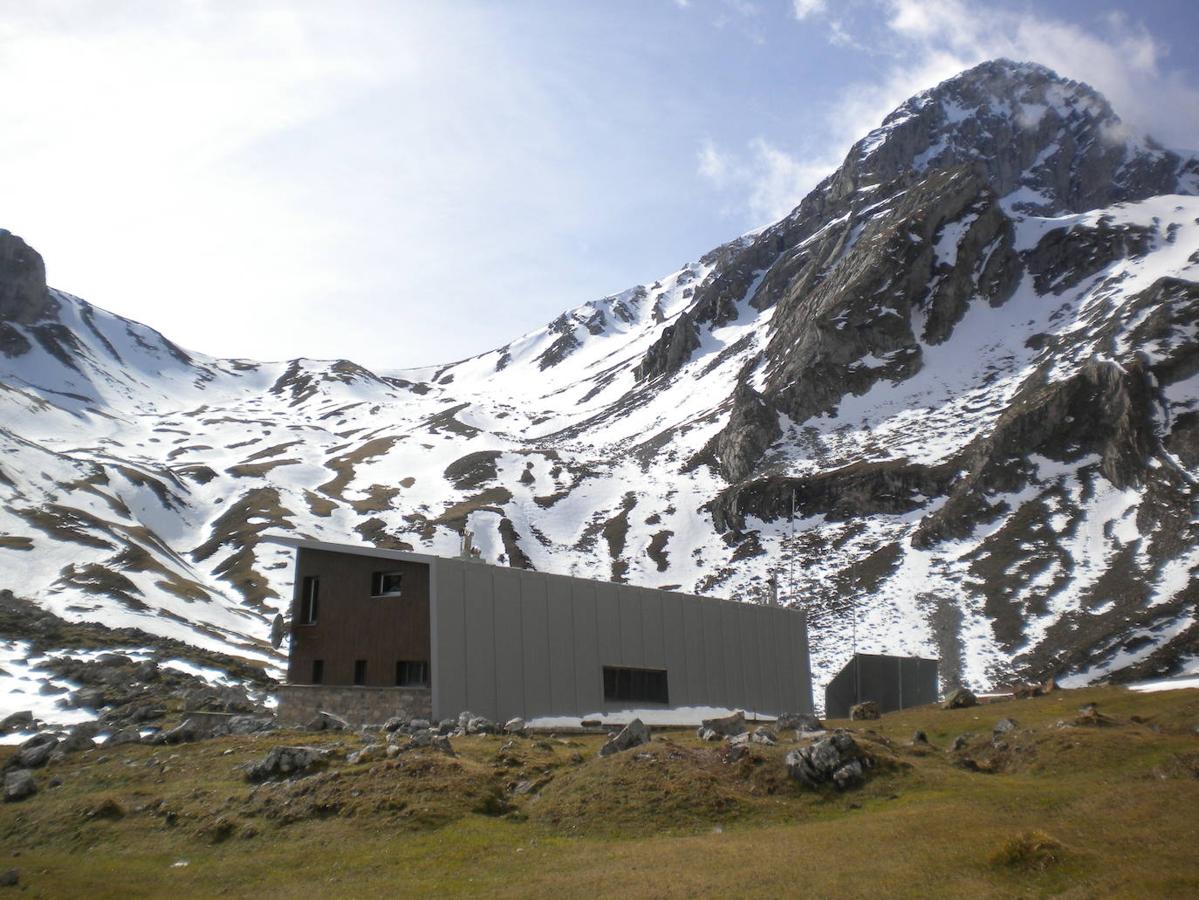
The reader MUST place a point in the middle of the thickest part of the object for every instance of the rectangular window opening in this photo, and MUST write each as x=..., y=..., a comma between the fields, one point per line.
x=360, y=671
x=412, y=673
x=623, y=684
x=318, y=671
x=386, y=584
x=309, y=599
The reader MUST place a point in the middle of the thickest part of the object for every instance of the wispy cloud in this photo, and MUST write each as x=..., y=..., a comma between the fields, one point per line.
x=766, y=179
x=805, y=8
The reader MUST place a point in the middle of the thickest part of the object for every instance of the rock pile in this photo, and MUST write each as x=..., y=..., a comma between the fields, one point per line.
x=287, y=762
x=836, y=759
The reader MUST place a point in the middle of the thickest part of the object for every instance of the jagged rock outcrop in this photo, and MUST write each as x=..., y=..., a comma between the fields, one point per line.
x=24, y=297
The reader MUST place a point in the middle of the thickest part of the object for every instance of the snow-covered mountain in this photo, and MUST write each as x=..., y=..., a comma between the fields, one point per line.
x=969, y=359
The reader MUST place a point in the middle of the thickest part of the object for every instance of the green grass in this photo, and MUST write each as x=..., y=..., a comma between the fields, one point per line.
x=1070, y=811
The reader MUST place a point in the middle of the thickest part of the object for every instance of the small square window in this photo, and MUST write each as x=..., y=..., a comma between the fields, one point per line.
x=360, y=671
x=386, y=584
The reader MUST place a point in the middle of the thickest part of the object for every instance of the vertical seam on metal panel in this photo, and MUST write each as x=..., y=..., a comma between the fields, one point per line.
x=434, y=655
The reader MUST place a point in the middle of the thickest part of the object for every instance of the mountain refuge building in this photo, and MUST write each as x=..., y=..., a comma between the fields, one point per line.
x=380, y=633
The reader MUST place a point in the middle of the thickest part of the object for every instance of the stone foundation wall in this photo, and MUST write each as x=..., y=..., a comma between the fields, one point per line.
x=299, y=703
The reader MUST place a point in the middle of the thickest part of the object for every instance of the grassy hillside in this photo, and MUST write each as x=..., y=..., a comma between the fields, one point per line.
x=1074, y=810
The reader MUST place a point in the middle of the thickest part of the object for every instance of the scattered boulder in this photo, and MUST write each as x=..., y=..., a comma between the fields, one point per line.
x=464, y=718
x=395, y=723
x=1090, y=715
x=798, y=722
x=92, y=698
x=191, y=729
x=10, y=878
x=726, y=725
x=285, y=762
x=416, y=739
x=707, y=734
x=324, y=721
x=515, y=726
x=632, y=735
x=124, y=736
x=369, y=753
x=76, y=742
x=441, y=743
x=447, y=726
x=18, y=785
x=734, y=749
x=919, y=737
x=18, y=721
x=36, y=756
x=1002, y=727
x=962, y=741
x=86, y=729
x=959, y=698
x=765, y=735
x=864, y=711
x=420, y=724
x=251, y=724
x=837, y=759
x=480, y=725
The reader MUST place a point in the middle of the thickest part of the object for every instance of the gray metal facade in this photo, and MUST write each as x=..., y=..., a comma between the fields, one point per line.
x=512, y=642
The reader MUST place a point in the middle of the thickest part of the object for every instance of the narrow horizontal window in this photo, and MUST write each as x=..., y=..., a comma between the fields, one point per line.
x=412, y=673
x=622, y=684
x=386, y=584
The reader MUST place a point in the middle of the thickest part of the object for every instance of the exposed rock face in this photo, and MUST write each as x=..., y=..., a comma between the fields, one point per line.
x=24, y=297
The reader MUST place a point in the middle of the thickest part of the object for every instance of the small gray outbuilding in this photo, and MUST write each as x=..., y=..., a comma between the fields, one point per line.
x=374, y=630
x=893, y=682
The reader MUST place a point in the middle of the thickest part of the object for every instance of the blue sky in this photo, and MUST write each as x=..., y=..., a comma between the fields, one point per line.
x=404, y=183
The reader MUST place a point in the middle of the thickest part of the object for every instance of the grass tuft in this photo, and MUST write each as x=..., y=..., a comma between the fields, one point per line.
x=1028, y=851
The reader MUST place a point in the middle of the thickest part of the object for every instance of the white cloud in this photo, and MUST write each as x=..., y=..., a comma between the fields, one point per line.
x=805, y=8
x=768, y=181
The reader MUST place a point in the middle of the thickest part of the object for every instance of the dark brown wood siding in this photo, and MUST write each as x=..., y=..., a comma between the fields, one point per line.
x=353, y=625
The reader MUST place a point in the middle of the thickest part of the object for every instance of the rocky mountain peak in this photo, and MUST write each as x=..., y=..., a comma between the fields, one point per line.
x=1049, y=144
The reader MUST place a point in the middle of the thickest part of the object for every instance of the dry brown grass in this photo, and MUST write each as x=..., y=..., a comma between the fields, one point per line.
x=669, y=820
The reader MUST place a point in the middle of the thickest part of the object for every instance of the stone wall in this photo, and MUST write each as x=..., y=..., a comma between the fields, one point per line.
x=299, y=703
